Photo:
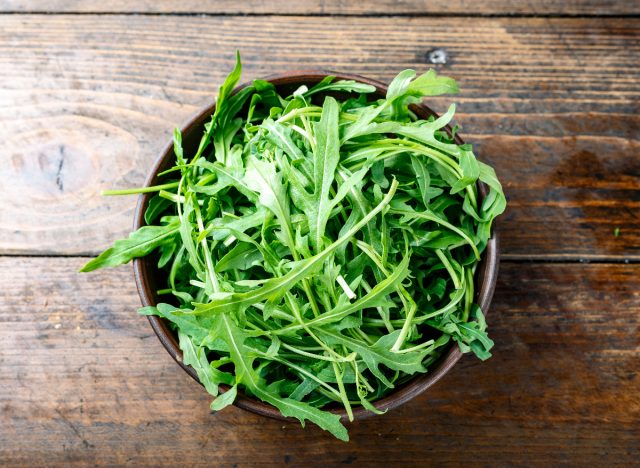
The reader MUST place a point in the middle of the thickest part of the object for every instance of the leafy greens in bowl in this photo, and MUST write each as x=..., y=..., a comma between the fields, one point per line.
x=319, y=246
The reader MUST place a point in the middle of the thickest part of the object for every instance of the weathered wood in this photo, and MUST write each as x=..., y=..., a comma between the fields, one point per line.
x=87, y=102
x=82, y=379
x=329, y=7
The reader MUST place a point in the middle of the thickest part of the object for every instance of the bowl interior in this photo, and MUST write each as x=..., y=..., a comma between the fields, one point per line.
x=148, y=280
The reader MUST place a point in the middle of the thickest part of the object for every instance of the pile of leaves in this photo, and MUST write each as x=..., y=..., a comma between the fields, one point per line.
x=319, y=252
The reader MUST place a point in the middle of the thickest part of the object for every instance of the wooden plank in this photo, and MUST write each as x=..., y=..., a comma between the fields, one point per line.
x=88, y=101
x=329, y=7
x=84, y=380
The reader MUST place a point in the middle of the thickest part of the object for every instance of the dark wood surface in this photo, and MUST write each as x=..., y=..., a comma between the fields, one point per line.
x=84, y=379
x=331, y=7
x=88, y=100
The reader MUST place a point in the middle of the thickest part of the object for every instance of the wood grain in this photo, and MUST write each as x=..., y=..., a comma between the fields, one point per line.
x=329, y=7
x=83, y=380
x=87, y=102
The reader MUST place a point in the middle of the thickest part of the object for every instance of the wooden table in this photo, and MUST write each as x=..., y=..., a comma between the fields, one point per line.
x=89, y=93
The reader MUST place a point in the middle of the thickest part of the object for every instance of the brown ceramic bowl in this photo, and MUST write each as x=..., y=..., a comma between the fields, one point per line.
x=147, y=281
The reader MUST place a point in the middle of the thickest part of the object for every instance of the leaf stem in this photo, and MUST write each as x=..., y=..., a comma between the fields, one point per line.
x=343, y=393
x=135, y=191
x=447, y=264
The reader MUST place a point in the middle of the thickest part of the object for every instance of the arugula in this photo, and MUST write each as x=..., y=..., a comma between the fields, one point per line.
x=139, y=243
x=318, y=250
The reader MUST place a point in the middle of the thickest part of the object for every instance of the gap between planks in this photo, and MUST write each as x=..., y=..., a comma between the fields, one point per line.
x=328, y=15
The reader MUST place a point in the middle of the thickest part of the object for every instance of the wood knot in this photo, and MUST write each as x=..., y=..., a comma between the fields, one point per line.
x=437, y=56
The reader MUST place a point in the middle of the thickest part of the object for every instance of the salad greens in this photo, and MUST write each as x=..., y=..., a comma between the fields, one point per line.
x=319, y=251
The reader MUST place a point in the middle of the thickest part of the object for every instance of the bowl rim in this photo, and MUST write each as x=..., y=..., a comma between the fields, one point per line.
x=485, y=276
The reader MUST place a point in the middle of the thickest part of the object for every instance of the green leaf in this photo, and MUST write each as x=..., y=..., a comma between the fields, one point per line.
x=364, y=125
x=470, y=171
x=498, y=203
x=225, y=90
x=327, y=84
x=243, y=359
x=139, y=243
x=422, y=178
x=230, y=174
x=405, y=90
x=230, y=82
x=157, y=205
x=195, y=357
x=278, y=286
x=379, y=354
x=281, y=136
x=221, y=228
x=325, y=161
x=430, y=84
x=262, y=177
x=374, y=298
x=225, y=399
x=268, y=94
x=187, y=233
x=177, y=146
x=400, y=84
x=475, y=335
x=303, y=389
x=187, y=324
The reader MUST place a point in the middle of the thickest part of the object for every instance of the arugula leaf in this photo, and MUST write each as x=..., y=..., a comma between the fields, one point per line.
x=157, y=205
x=262, y=177
x=405, y=90
x=422, y=178
x=325, y=162
x=379, y=353
x=209, y=377
x=245, y=374
x=224, y=400
x=188, y=325
x=430, y=84
x=274, y=287
x=327, y=84
x=139, y=243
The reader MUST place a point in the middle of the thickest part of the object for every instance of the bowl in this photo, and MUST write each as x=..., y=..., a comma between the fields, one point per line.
x=148, y=283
